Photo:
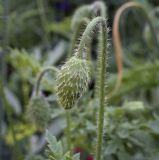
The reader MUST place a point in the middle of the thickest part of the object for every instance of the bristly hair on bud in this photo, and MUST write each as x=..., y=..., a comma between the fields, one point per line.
x=72, y=81
x=39, y=112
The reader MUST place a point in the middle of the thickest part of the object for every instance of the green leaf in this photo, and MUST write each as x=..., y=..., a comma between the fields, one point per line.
x=55, y=151
x=111, y=147
x=124, y=130
x=154, y=125
x=76, y=156
x=67, y=156
x=52, y=142
x=124, y=156
x=60, y=149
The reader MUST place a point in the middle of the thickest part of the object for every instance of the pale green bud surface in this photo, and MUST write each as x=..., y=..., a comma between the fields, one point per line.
x=39, y=112
x=72, y=81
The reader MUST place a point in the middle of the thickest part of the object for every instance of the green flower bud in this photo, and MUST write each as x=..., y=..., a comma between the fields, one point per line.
x=72, y=81
x=39, y=112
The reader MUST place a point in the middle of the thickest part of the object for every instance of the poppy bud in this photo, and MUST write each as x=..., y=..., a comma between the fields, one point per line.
x=39, y=112
x=72, y=81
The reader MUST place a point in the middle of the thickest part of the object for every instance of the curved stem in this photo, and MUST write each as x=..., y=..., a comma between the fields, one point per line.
x=76, y=34
x=41, y=9
x=53, y=69
x=84, y=43
x=80, y=13
x=87, y=36
x=99, y=5
x=117, y=40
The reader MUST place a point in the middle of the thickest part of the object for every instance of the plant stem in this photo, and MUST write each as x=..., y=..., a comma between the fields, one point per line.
x=100, y=5
x=102, y=92
x=68, y=129
x=37, y=87
x=76, y=34
x=40, y=4
x=84, y=43
x=117, y=40
x=87, y=37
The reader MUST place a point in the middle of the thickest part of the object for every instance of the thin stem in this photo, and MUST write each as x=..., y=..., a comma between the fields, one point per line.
x=102, y=91
x=68, y=129
x=80, y=26
x=84, y=43
x=117, y=40
x=53, y=69
x=43, y=18
x=76, y=32
x=37, y=88
x=88, y=36
x=100, y=6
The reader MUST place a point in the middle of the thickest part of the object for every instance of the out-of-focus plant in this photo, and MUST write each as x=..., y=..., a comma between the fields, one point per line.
x=132, y=133
x=124, y=126
x=116, y=36
x=55, y=150
x=73, y=77
x=130, y=130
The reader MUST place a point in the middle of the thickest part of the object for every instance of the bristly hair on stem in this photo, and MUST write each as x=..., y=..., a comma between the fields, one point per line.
x=82, y=16
x=117, y=40
x=98, y=8
x=77, y=31
x=100, y=24
x=38, y=110
x=41, y=75
x=80, y=21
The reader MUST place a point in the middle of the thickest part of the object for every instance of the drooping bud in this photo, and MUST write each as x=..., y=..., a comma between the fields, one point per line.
x=72, y=81
x=39, y=112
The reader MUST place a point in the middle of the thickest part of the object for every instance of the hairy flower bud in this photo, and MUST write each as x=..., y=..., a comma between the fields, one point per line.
x=72, y=81
x=39, y=112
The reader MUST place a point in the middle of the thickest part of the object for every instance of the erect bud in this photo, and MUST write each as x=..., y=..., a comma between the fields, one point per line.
x=39, y=112
x=72, y=81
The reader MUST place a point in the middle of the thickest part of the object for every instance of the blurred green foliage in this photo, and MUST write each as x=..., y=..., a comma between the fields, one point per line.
x=131, y=126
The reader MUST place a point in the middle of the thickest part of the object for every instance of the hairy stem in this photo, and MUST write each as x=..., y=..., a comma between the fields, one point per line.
x=117, y=40
x=88, y=36
x=80, y=26
x=68, y=130
x=37, y=87
x=102, y=91
x=101, y=7
x=84, y=43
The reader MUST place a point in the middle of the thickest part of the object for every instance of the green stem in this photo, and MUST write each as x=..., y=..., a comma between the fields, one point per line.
x=76, y=32
x=68, y=130
x=149, y=22
x=102, y=92
x=37, y=87
x=99, y=5
x=84, y=43
x=44, y=22
x=87, y=37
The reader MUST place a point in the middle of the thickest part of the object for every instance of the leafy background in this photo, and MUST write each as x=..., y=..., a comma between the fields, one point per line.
x=36, y=34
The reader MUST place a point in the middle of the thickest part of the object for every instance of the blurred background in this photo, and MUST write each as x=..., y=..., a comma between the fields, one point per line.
x=36, y=34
